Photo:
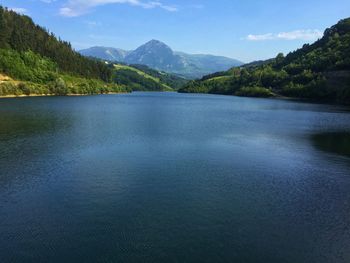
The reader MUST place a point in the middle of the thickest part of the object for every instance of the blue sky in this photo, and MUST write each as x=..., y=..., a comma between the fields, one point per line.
x=244, y=29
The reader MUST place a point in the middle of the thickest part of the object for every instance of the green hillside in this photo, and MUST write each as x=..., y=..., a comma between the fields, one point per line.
x=168, y=79
x=320, y=71
x=31, y=74
x=35, y=62
x=137, y=80
x=142, y=78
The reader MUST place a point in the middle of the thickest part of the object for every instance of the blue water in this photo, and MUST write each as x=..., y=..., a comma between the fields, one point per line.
x=166, y=177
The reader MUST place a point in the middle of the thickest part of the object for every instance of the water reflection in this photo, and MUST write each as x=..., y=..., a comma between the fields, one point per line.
x=333, y=142
x=29, y=142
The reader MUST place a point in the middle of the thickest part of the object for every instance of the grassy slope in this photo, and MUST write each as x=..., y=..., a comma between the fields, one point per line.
x=119, y=67
x=168, y=79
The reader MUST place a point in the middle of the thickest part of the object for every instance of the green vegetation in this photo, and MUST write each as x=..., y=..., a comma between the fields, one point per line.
x=254, y=92
x=19, y=33
x=36, y=63
x=136, y=81
x=40, y=76
x=142, y=78
x=65, y=85
x=170, y=80
x=39, y=63
x=320, y=71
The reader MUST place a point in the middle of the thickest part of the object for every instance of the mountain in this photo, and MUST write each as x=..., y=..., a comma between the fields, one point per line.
x=157, y=55
x=320, y=71
x=105, y=53
x=154, y=54
x=209, y=63
x=34, y=62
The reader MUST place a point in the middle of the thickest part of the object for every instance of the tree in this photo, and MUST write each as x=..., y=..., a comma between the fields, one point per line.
x=3, y=30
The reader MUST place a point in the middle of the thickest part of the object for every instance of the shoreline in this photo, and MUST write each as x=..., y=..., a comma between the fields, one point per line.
x=279, y=97
x=54, y=95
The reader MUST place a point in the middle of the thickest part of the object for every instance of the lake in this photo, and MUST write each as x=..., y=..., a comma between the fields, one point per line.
x=166, y=177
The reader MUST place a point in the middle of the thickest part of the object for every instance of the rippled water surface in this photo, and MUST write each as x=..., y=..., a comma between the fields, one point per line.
x=166, y=177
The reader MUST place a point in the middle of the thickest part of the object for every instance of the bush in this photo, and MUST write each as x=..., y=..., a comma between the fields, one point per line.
x=24, y=88
x=254, y=92
x=59, y=87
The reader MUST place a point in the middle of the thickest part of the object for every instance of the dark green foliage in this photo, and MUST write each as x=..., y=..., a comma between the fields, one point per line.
x=18, y=32
x=59, y=87
x=193, y=87
x=214, y=75
x=171, y=80
x=27, y=66
x=254, y=92
x=39, y=76
x=136, y=81
x=312, y=72
x=335, y=142
x=42, y=65
x=24, y=89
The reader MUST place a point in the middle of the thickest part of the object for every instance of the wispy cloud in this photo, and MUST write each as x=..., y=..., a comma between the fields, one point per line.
x=305, y=34
x=75, y=8
x=93, y=24
x=48, y=1
x=19, y=10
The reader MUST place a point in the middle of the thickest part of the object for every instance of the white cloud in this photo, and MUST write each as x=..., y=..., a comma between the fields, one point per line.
x=269, y=36
x=93, y=23
x=306, y=34
x=75, y=8
x=19, y=10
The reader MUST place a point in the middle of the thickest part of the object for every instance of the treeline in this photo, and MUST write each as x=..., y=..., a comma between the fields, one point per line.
x=171, y=80
x=18, y=32
x=39, y=76
x=310, y=72
x=65, y=85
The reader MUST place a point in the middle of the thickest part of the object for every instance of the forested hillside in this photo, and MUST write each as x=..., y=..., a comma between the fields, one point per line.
x=19, y=33
x=26, y=73
x=320, y=71
x=34, y=62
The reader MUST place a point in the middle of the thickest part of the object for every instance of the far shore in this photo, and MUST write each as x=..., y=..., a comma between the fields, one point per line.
x=54, y=95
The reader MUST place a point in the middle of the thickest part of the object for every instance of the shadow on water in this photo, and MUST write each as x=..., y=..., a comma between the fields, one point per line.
x=333, y=142
x=30, y=145
x=22, y=126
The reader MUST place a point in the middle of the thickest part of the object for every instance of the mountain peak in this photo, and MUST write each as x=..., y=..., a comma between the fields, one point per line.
x=155, y=42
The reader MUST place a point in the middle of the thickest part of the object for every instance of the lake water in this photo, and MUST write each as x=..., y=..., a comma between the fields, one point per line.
x=166, y=177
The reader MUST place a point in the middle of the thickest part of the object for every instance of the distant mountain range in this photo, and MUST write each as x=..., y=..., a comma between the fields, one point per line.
x=159, y=56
